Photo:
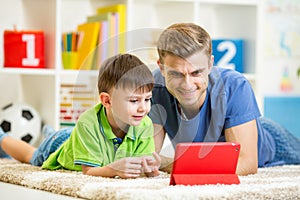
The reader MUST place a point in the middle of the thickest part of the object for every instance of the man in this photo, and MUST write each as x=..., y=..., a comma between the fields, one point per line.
x=196, y=102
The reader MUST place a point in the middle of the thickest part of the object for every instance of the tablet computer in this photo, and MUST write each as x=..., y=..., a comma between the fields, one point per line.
x=201, y=163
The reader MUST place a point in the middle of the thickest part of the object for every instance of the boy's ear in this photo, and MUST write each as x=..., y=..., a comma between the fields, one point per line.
x=105, y=99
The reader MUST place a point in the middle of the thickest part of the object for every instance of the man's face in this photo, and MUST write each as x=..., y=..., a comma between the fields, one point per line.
x=187, y=79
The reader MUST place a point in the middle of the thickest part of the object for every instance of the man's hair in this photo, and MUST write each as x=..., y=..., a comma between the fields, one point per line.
x=125, y=71
x=183, y=40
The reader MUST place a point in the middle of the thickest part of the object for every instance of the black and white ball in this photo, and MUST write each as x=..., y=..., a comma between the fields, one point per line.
x=21, y=121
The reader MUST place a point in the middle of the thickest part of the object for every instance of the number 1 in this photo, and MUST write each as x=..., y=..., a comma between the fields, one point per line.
x=30, y=59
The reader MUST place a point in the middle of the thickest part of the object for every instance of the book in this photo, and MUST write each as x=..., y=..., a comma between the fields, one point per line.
x=99, y=17
x=69, y=41
x=102, y=50
x=105, y=46
x=112, y=25
x=121, y=18
x=114, y=36
x=88, y=33
x=74, y=41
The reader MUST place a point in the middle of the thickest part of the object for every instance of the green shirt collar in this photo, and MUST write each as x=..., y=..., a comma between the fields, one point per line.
x=107, y=128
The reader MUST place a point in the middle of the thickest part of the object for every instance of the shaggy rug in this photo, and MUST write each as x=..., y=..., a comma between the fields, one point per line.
x=269, y=183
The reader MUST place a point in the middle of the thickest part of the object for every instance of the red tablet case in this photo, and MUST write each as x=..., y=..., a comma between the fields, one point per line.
x=205, y=163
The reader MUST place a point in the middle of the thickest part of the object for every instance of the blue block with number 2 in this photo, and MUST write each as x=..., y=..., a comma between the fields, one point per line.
x=228, y=53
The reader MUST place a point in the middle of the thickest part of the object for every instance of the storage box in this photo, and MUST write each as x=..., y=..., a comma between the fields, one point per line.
x=24, y=49
x=229, y=53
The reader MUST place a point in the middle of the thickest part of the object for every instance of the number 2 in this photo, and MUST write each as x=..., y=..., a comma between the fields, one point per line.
x=226, y=58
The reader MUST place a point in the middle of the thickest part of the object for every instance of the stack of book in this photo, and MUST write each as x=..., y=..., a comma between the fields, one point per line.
x=100, y=37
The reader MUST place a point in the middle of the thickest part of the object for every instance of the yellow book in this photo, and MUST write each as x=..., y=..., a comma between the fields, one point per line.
x=88, y=33
x=121, y=10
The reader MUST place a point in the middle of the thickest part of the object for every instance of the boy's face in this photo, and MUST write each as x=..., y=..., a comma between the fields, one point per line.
x=129, y=107
x=187, y=79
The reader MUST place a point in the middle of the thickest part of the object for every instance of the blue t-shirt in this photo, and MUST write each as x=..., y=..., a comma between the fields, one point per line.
x=229, y=102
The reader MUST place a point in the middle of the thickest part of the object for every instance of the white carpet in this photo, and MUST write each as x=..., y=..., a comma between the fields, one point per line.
x=269, y=183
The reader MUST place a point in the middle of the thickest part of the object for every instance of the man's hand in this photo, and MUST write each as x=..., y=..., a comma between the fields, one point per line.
x=166, y=164
x=150, y=166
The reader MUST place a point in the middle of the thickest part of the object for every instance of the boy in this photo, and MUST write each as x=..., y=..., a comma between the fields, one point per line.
x=114, y=138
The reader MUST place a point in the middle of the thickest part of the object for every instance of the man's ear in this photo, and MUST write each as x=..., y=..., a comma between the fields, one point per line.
x=105, y=99
x=211, y=63
x=161, y=67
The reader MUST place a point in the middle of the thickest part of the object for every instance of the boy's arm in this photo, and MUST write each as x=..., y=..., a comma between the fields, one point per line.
x=246, y=134
x=124, y=168
x=159, y=137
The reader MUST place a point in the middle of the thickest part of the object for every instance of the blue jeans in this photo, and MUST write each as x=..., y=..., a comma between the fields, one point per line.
x=49, y=145
x=287, y=144
x=2, y=153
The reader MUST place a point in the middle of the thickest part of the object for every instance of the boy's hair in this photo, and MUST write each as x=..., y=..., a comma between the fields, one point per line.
x=183, y=40
x=125, y=71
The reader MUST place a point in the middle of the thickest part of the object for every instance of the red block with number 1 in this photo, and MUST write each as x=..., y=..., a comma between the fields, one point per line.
x=24, y=49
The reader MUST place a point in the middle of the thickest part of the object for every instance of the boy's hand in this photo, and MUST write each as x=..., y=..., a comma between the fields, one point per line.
x=127, y=167
x=150, y=166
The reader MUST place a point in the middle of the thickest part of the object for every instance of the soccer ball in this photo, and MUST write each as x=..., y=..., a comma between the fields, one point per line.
x=21, y=121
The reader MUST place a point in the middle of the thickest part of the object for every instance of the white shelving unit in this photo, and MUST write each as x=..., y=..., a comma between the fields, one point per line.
x=145, y=20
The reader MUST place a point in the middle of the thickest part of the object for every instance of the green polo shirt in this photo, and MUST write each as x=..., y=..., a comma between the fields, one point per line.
x=87, y=145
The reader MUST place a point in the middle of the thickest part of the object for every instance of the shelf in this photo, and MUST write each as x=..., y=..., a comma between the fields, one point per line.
x=219, y=2
x=26, y=71
x=77, y=72
x=249, y=76
x=230, y=2
x=43, y=88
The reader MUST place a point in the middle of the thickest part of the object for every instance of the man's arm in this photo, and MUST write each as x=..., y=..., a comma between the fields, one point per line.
x=246, y=134
x=159, y=137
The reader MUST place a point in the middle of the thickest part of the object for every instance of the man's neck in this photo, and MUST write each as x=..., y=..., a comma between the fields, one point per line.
x=187, y=113
x=190, y=111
